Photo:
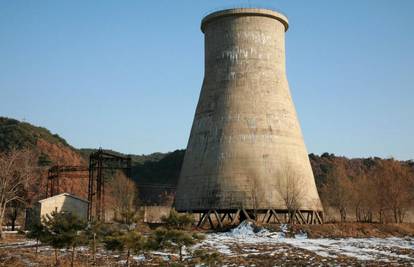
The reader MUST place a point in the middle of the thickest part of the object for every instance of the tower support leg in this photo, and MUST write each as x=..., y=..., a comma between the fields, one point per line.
x=221, y=219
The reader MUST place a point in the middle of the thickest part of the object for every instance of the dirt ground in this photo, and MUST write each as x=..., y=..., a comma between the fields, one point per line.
x=343, y=230
x=348, y=244
x=260, y=255
x=23, y=257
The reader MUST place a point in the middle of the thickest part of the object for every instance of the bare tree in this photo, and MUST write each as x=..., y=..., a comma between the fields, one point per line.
x=166, y=198
x=291, y=189
x=16, y=169
x=379, y=193
x=390, y=192
x=254, y=194
x=337, y=191
x=364, y=198
x=399, y=190
x=14, y=209
x=386, y=189
x=381, y=179
x=124, y=193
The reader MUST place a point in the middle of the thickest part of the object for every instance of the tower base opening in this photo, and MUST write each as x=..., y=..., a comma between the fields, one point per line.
x=216, y=219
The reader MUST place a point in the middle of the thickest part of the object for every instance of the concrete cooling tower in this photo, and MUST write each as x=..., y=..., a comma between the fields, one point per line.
x=246, y=157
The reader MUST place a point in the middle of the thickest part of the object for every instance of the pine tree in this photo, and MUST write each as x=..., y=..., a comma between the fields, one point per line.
x=173, y=238
x=208, y=258
x=38, y=232
x=128, y=239
x=174, y=234
x=94, y=233
x=63, y=230
x=179, y=221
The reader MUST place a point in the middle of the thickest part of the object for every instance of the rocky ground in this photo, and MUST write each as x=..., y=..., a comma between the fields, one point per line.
x=246, y=245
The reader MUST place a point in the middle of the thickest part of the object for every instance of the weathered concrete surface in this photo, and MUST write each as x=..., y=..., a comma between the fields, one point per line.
x=63, y=202
x=246, y=148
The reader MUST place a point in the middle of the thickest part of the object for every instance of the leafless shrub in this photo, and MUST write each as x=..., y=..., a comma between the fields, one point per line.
x=17, y=167
x=291, y=189
x=337, y=191
x=125, y=194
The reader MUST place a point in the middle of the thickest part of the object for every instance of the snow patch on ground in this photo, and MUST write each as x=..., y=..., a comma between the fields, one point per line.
x=379, y=249
x=26, y=243
x=139, y=258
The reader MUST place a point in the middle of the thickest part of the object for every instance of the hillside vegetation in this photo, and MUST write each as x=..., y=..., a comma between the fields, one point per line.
x=367, y=189
x=14, y=133
x=50, y=148
x=136, y=159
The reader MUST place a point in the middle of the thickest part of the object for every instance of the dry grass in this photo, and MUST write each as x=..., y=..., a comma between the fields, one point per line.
x=11, y=238
x=339, y=230
x=279, y=254
x=26, y=257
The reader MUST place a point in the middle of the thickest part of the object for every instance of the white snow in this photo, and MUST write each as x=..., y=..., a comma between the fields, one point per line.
x=249, y=240
x=166, y=256
x=379, y=249
x=139, y=258
x=10, y=232
x=26, y=243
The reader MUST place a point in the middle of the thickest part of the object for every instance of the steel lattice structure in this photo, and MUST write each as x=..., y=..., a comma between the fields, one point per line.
x=57, y=172
x=99, y=163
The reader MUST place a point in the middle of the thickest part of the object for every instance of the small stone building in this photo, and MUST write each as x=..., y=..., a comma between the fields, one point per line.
x=63, y=202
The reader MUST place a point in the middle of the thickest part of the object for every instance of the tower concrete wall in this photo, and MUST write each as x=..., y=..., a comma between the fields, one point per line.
x=246, y=148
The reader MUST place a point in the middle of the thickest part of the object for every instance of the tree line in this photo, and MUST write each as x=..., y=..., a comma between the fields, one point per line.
x=365, y=190
x=368, y=190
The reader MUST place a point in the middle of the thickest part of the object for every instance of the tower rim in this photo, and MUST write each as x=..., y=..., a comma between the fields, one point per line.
x=245, y=12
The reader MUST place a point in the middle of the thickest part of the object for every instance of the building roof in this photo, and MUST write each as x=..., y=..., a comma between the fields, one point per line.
x=66, y=195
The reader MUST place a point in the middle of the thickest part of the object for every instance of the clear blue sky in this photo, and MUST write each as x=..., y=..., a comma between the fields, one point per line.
x=126, y=75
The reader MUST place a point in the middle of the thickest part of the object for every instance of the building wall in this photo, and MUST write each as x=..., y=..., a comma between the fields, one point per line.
x=64, y=203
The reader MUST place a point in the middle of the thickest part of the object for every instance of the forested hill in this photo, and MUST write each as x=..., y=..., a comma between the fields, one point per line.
x=49, y=148
x=14, y=133
x=136, y=159
x=157, y=172
x=328, y=165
